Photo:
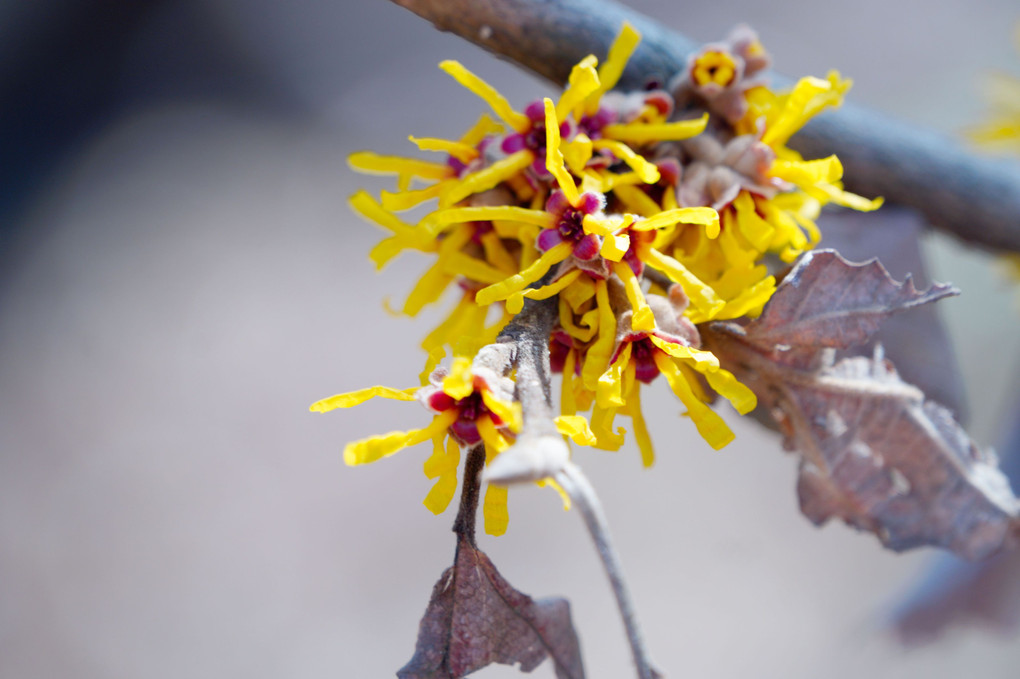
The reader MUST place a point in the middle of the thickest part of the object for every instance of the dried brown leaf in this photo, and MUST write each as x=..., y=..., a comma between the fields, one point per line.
x=825, y=301
x=917, y=343
x=874, y=452
x=475, y=618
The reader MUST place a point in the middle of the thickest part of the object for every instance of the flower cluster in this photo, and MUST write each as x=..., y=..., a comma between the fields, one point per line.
x=639, y=215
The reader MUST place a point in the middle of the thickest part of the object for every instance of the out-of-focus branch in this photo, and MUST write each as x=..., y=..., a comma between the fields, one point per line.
x=975, y=198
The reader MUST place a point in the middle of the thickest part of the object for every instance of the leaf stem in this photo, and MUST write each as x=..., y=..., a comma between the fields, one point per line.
x=464, y=524
x=582, y=493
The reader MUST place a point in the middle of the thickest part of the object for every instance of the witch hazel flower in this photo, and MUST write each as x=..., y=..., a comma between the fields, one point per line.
x=472, y=405
x=720, y=74
x=669, y=348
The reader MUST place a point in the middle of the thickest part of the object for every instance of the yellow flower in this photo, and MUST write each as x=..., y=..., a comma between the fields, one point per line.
x=471, y=406
x=638, y=225
x=1002, y=129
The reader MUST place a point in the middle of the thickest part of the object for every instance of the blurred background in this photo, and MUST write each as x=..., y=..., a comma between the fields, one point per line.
x=180, y=277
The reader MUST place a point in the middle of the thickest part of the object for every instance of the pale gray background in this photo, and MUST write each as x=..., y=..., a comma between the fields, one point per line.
x=190, y=279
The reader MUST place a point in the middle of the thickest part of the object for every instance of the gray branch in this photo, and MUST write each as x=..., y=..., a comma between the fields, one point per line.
x=975, y=198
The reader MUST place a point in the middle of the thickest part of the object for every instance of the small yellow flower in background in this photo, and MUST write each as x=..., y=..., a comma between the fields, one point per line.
x=1002, y=129
x=1001, y=132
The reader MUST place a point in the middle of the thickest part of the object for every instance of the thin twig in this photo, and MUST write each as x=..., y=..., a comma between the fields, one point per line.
x=581, y=492
x=975, y=198
x=529, y=331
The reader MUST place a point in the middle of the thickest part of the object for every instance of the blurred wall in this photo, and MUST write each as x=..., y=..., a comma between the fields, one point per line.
x=180, y=277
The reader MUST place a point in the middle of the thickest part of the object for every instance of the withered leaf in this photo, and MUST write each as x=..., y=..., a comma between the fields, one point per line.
x=874, y=452
x=896, y=232
x=825, y=301
x=475, y=618
x=955, y=593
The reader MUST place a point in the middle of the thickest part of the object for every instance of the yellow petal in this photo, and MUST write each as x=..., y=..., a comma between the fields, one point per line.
x=494, y=510
x=600, y=225
x=577, y=295
x=461, y=152
x=551, y=483
x=726, y=385
x=608, y=393
x=585, y=329
x=636, y=200
x=374, y=163
x=703, y=361
x=473, y=269
x=641, y=436
x=756, y=230
x=459, y=382
x=441, y=493
x=701, y=295
x=495, y=442
x=642, y=319
x=515, y=302
x=808, y=98
x=711, y=427
x=568, y=404
x=366, y=206
x=553, y=156
x=576, y=427
x=480, y=130
x=615, y=246
x=508, y=411
x=496, y=253
x=488, y=177
x=436, y=463
x=602, y=427
x=405, y=200
x=353, y=398
x=436, y=221
x=577, y=152
x=583, y=81
x=518, y=282
x=428, y=289
x=500, y=106
x=376, y=447
x=611, y=70
x=597, y=358
x=704, y=216
x=643, y=133
x=648, y=173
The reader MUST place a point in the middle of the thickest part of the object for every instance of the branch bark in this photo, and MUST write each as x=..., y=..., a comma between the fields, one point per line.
x=977, y=199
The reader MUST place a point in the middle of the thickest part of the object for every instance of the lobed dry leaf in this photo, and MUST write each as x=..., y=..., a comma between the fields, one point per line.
x=956, y=593
x=896, y=232
x=475, y=618
x=874, y=452
x=826, y=301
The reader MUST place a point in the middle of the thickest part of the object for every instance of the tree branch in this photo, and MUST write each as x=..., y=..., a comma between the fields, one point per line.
x=975, y=198
x=539, y=451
